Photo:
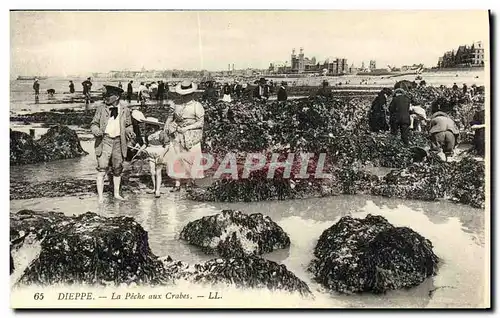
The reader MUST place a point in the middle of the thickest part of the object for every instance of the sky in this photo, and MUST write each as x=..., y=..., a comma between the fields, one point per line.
x=78, y=43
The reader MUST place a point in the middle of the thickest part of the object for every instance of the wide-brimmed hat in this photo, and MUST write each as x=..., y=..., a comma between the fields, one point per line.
x=138, y=115
x=186, y=87
x=152, y=121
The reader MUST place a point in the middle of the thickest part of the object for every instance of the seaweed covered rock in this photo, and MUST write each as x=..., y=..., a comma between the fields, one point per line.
x=23, y=149
x=61, y=142
x=467, y=182
x=242, y=272
x=371, y=255
x=235, y=234
x=59, y=117
x=421, y=181
x=88, y=249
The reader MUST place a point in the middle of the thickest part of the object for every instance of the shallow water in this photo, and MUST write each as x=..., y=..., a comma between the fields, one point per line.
x=456, y=231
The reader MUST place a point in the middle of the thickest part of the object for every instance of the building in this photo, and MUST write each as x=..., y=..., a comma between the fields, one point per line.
x=464, y=56
x=336, y=66
x=373, y=65
x=301, y=64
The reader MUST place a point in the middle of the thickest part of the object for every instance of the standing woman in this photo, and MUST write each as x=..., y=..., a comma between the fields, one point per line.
x=185, y=124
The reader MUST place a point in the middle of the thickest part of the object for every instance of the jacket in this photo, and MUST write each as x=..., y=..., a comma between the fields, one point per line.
x=400, y=108
x=265, y=89
x=100, y=121
x=441, y=122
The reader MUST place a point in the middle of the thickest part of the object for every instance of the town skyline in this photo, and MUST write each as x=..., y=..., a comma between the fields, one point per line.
x=78, y=43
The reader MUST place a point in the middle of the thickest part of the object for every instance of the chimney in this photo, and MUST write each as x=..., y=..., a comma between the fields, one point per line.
x=233, y=67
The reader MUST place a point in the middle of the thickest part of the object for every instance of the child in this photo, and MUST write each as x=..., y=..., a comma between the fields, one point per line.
x=155, y=147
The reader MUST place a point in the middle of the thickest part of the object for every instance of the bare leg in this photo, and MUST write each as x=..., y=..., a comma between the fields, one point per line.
x=152, y=170
x=116, y=185
x=100, y=185
x=158, y=181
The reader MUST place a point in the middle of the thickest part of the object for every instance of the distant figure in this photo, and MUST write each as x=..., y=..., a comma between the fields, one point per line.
x=36, y=87
x=51, y=92
x=166, y=90
x=161, y=91
x=262, y=90
x=444, y=134
x=226, y=93
x=400, y=114
x=210, y=94
x=455, y=87
x=87, y=87
x=478, y=126
x=378, y=112
x=282, y=94
x=237, y=89
x=153, y=90
x=120, y=84
x=71, y=87
x=130, y=91
x=325, y=90
x=143, y=94
x=464, y=89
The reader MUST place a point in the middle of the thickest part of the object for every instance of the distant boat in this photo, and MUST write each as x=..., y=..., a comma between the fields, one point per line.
x=31, y=78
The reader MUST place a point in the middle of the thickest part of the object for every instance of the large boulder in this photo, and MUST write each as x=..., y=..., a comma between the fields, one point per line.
x=467, y=182
x=242, y=272
x=61, y=142
x=23, y=149
x=371, y=255
x=86, y=249
x=235, y=234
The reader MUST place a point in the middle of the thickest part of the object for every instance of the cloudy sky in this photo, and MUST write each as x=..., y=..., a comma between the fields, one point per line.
x=77, y=43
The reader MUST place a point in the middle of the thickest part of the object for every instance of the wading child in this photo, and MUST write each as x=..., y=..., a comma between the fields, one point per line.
x=155, y=147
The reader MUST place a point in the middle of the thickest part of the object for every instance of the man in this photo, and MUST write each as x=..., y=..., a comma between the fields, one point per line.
x=325, y=91
x=112, y=127
x=130, y=91
x=282, y=94
x=161, y=91
x=153, y=90
x=444, y=133
x=237, y=89
x=36, y=87
x=87, y=87
x=262, y=90
x=400, y=114
x=464, y=89
x=455, y=87
x=210, y=94
x=71, y=87
x=142, y=94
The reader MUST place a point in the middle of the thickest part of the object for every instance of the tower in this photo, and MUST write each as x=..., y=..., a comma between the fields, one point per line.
x=301, y=60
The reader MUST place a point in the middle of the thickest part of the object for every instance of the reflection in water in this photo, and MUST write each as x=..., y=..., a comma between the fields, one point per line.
x=458, y=244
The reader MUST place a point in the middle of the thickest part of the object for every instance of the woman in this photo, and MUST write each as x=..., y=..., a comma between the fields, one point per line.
x=185, y=124
x=378, y=111
x=226, y=93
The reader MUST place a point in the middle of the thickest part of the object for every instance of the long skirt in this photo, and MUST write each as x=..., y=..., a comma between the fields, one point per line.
x=184, y=164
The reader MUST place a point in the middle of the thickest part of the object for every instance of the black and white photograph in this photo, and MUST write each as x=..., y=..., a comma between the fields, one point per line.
x=250, y=159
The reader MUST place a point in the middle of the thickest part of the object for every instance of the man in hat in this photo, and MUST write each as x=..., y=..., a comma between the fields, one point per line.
x=36, y=87
x=282, y=94
x=112, y=128
x=87, y=87
x=130, y=91
x=400, y=114
x=262, y=90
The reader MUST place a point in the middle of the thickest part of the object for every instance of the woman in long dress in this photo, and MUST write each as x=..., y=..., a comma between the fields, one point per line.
x=185, y=124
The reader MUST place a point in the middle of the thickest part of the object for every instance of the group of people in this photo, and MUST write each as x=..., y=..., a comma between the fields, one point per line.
x=174, y=145
x=403, y=117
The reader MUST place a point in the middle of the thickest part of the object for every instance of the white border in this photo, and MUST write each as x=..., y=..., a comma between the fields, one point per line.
x=213, y=4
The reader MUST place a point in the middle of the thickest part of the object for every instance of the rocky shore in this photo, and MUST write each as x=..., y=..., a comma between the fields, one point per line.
x=354, y=255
